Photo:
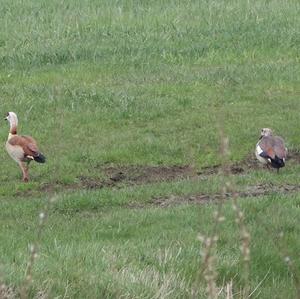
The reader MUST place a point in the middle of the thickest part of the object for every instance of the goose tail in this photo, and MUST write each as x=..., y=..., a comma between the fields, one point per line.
x=277, y=162
x=40, y=158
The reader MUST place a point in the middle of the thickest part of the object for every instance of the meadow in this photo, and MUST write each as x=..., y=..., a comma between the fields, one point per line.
x=128, y=101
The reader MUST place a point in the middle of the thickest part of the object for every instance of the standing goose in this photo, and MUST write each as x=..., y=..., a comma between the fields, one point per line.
x=270, y=150
x=23, y=149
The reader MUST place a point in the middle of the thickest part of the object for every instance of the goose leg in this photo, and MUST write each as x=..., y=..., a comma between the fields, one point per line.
x=24, y=167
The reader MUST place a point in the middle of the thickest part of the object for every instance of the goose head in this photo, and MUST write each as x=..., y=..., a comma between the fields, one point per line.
x=266, y=132
x=12, y=118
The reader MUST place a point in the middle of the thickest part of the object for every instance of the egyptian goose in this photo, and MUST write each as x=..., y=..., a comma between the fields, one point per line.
x=23, y=149
x=270, y=150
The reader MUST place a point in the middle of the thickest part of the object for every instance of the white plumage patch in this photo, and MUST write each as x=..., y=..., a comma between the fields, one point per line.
x=258, y=151
x=16, y=152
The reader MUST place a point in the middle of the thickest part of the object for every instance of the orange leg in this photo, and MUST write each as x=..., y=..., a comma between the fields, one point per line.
x=24, y=167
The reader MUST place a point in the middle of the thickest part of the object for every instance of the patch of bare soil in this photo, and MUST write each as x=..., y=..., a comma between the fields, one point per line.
x=250, y=191
x=250, y=163
x=294, y=156
x=119, y=176
x=122, y=176
x=136, y=175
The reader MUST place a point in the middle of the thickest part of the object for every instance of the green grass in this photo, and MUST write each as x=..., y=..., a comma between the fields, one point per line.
x=116, y=83
x=114, y=252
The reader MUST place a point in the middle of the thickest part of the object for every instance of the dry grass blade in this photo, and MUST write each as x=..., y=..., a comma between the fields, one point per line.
x=229, y=294
x=34, y=250
x=208, y=270
x=259, y=284
x=244, y=234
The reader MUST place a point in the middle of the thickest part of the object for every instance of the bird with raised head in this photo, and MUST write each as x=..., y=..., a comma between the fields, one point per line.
x=22, y=149
x=270, y=149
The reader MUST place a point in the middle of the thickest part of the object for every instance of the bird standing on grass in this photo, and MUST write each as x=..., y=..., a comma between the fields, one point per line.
x=270, y=150
x=23, y=149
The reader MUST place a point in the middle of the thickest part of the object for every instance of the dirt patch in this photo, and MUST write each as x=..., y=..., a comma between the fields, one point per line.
x=250, y=163
x=294, y=156
x=137, y=175
x=250, y=191
x=120, y=176
x=90, y=183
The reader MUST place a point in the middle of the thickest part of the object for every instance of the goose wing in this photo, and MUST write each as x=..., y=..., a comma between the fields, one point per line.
x=270, y=147
x=27, y=143
x=279, y=147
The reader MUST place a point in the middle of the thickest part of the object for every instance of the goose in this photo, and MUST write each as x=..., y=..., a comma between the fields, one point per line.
x=270, y=150
x=22, y=149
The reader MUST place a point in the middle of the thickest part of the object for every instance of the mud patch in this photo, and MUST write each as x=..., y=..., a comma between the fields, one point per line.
x=137, y=175
x=250, y=163
x=294, y=156
x=249, y=191
x=120, y=176
x=90, y=183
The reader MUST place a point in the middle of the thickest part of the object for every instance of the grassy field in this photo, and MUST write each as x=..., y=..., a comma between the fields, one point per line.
x=126, y=99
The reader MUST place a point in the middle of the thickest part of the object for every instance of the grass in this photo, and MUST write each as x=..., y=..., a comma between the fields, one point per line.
x=116, y=83
x=90, y=252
